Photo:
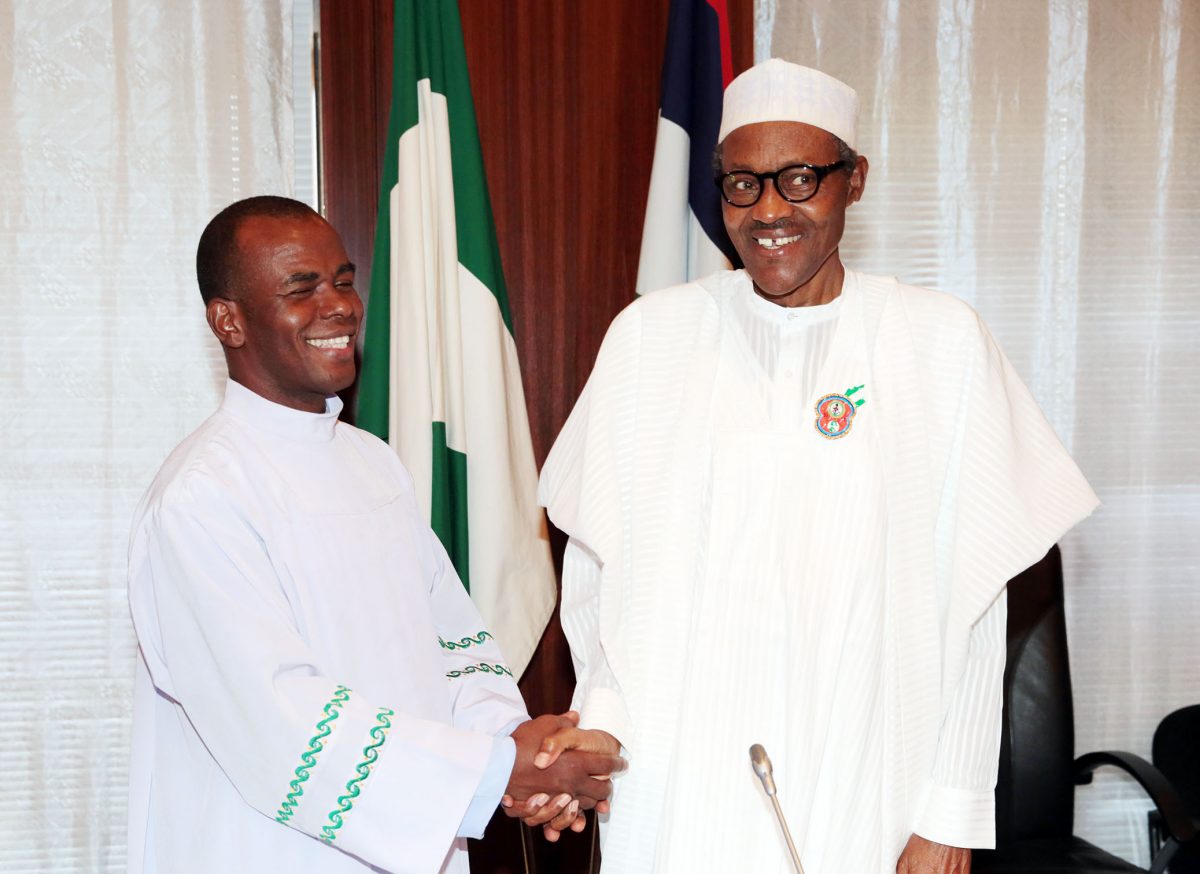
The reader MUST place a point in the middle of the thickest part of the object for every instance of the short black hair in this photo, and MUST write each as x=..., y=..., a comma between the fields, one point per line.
x=846, y=155
x=217, y=253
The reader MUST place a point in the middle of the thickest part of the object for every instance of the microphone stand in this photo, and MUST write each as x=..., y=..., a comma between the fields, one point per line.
x=762, y=767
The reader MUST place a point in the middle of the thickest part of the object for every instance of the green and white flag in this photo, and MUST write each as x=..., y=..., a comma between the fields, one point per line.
x=440, y=378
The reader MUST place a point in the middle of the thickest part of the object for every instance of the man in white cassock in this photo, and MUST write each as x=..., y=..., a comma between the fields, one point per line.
x=315, y=691
x=794, y=495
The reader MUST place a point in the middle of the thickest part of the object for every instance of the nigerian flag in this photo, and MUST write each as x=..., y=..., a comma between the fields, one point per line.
x=440, y=378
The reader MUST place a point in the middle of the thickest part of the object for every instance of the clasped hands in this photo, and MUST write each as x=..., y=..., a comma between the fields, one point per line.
x=560, y=771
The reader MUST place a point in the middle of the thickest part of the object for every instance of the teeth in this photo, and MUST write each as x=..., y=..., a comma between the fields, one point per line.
x=331, y=343
x=768, y=243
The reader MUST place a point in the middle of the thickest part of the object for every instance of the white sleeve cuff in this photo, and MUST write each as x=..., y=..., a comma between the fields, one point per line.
x=959, y=818
x=605, y=709
x=491, y=788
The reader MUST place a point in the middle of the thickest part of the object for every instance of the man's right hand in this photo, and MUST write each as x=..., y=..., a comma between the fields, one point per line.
x=576, y=780
x=558, y=813
x=573, y=773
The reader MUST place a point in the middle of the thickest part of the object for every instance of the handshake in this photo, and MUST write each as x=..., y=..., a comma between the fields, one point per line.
x=560, y=771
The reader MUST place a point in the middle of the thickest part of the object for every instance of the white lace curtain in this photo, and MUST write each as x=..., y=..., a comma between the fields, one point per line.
x=1038, y=158
x=123, y=127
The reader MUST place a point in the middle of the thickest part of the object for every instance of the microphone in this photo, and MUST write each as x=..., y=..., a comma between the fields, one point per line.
x=762, y=767
x=761, y=763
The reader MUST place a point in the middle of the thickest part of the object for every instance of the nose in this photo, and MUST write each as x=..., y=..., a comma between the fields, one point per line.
x=770, y=206
x=340, y=303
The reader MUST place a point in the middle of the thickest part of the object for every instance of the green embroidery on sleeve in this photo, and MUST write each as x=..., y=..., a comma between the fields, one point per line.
x=466, y=642
x=362, y=772
x=481, y=668
x=308, y=758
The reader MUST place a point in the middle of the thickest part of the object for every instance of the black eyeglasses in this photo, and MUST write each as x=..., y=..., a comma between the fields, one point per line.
x=795, y=184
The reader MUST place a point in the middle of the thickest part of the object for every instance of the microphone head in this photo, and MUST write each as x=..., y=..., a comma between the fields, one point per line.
x=761, y=763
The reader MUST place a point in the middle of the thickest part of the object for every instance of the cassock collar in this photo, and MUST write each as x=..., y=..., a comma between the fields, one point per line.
x=291, y=424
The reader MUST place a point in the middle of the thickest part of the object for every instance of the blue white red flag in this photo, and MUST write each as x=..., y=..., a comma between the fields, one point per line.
x=684, y=237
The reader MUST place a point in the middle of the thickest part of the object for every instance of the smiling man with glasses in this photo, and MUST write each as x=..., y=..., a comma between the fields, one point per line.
x=794, y=495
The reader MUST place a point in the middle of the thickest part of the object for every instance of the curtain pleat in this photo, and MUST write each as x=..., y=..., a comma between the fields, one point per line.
x=124, y=127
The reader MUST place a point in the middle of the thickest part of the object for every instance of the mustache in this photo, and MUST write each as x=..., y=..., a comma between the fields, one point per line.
x=783, y=224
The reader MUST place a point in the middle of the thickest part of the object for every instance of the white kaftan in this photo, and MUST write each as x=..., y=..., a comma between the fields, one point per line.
x=735, y=576
x=315, y=691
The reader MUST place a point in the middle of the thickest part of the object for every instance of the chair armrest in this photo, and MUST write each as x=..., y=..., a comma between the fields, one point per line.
x=1179, y=824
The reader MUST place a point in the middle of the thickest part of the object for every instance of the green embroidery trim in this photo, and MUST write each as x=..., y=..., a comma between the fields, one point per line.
x=466, y=642
x=308, y=758
x=851, y=391
x=481, y=668
x=363, y=771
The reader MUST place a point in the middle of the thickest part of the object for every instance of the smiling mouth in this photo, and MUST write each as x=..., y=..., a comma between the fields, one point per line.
x=776, y=242
x=330, y=342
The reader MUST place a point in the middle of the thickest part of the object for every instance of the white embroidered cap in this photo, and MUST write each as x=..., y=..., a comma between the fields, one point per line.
x=776, y=90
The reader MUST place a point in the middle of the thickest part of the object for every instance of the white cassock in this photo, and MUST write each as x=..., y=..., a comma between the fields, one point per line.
x=315, y=690
x=742, y=569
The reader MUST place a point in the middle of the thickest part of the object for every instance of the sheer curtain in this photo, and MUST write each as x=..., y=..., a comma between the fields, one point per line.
x=123, y=127
x=1038, y=158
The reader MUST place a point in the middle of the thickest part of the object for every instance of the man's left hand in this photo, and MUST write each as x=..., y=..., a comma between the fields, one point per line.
x=925, y=857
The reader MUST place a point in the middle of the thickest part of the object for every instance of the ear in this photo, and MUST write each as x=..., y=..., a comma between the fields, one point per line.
x=226, y=319
x=858, y=180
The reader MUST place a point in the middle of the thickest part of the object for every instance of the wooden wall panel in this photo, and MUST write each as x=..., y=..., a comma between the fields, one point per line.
x=354, y=94
x=566, y=96
x=567, y=100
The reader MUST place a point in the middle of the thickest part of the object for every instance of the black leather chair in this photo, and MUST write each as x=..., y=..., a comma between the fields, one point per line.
x=1035, y=793
x=1176, y=752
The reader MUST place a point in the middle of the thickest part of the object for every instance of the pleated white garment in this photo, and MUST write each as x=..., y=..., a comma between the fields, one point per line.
x=736, y=576
x=316, y=691
x=770, y=608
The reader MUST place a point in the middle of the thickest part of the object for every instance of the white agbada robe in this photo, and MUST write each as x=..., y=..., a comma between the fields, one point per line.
x=315, y=690
x=734, y=576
